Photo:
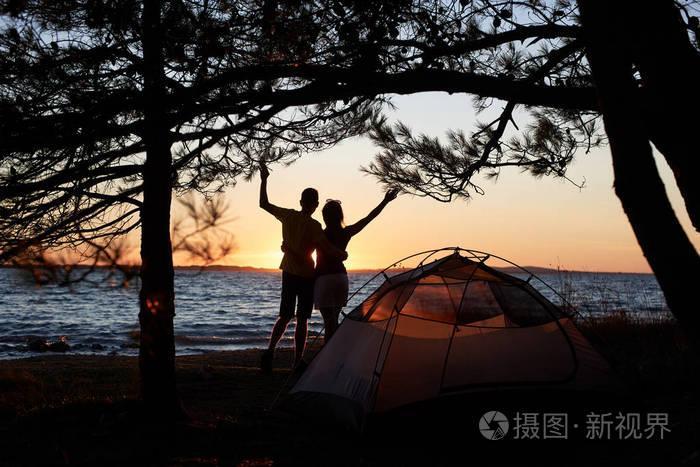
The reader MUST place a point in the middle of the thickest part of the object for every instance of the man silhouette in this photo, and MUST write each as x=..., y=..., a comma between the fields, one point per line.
x=302, y=235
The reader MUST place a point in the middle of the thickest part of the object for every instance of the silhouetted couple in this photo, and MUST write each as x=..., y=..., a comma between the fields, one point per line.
x=304, y=285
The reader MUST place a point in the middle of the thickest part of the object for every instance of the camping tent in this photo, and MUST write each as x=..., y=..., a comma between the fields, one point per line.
x=449, y=327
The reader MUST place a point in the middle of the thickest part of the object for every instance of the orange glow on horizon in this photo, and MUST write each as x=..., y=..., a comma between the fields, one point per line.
x=543, y=222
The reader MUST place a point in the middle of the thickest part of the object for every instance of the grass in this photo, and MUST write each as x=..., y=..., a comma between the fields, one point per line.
x=650, y=355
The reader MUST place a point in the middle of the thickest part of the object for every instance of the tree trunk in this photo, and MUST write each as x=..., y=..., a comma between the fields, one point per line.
x=157, y=297
x=637, y=182
x=669, y=67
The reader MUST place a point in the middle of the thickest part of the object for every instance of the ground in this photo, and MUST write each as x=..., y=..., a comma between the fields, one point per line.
x=83, y=410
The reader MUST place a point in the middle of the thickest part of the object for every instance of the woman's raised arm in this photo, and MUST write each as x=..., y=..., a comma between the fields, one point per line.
x=357, y=227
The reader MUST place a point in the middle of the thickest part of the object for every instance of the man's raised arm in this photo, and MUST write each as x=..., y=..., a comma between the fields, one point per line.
x=265, y=203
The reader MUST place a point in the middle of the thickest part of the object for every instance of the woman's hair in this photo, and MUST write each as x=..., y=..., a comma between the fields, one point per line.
x=333, y=214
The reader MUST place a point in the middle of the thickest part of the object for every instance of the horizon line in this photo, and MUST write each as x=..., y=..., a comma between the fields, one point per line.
x=529, y=268
x=359, y=270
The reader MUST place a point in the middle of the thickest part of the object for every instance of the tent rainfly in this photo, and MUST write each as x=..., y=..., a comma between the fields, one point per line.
x=452, y=326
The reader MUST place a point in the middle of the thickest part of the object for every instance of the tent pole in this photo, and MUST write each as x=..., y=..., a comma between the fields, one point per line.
x=391, y=340
x=455, y=325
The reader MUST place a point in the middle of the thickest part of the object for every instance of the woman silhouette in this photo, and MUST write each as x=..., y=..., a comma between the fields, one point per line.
x=331, y=286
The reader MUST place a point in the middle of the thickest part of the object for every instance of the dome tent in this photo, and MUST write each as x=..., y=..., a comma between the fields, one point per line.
x=448, y=327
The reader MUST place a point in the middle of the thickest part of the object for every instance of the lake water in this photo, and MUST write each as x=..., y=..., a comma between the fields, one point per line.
x=225, y=310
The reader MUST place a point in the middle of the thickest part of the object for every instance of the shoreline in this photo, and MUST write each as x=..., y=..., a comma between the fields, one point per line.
x=233, y=268
x=130, y=348
x=242, y=354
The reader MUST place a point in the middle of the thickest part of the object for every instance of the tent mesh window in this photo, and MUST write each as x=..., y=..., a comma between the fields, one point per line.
x=478, y=304
x=522, y=307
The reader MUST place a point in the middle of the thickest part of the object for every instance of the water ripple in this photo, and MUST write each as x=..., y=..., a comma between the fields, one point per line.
x=223, y=310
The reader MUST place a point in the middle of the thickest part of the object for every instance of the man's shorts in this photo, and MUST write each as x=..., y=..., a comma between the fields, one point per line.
x=299, y=291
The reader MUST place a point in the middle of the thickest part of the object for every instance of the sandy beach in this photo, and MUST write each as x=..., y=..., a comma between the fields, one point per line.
x=83, y=410
x=49, y=381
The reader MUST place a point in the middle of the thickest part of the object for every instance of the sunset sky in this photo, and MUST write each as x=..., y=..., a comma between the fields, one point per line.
x=543, y=222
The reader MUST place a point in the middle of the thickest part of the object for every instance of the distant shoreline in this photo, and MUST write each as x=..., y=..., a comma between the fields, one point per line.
x=508, y=270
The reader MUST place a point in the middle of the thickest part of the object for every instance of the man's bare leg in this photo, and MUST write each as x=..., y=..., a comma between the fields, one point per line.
x=277, y=332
